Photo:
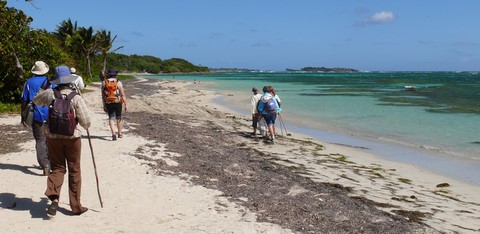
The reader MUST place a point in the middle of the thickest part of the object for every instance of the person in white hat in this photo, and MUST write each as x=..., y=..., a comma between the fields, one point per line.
x=256, y=116
x=65, y=150
x=78, y=82
x=40, y=113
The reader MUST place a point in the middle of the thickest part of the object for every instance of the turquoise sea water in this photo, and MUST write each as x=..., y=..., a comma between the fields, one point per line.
x=436, y=126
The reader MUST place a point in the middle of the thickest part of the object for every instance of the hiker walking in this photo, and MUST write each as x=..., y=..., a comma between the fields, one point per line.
x=40, y=113
x=269, y=108
x=64, y=150
x=78, y=83
x=256, y=116
x=275, y=96
x=113, y=97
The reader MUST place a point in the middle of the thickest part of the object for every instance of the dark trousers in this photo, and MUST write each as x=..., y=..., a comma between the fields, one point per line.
x=65, y=154
x=255, y=119
x=40, y=144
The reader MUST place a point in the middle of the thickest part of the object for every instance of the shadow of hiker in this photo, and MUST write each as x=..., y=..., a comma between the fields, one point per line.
x=249, y=135
x=25, y=169
x=97, y=137
x=37, y=209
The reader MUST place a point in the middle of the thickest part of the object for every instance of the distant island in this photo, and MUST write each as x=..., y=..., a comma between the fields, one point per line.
x=323, y=69
x=305, y=69
x=231, y=70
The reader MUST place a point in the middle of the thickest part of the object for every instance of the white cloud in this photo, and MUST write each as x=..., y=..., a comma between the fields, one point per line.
x=381, y=17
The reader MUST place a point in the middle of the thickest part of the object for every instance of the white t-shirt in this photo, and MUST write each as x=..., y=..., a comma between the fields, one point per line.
x=254, y=101
x=78, y=82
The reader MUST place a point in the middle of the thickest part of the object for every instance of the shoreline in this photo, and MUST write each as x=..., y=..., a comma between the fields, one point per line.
x=464, y=170
x=407, y=178
x=410, y=174
x=187, y=165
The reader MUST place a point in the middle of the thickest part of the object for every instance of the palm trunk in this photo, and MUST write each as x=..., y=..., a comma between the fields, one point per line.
x=89, y=72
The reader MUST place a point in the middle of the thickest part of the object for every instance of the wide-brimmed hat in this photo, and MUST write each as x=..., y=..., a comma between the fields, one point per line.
x=111, y=72
x=40, y=68
x=73, y=70
x=63, y=76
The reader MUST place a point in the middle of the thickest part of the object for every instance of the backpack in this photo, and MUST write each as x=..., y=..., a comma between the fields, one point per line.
x=270, y=106
x=111, y=91
x=27, y=114
x=61, y=115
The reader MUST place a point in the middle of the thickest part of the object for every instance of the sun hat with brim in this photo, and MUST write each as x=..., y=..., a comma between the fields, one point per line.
x=63, y=76
x=40, y=68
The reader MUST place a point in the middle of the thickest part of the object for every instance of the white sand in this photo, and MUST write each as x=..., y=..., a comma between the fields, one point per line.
x=136, y=201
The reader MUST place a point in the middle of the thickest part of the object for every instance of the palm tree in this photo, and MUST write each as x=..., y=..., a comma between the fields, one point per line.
x=66, y=32
x=105, y=43
x=87, y=42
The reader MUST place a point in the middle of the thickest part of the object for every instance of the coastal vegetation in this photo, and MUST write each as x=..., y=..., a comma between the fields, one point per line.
x=151, y=64
x=85, y=48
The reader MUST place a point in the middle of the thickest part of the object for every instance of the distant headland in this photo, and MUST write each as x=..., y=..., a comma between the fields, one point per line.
x=323, y=69
x=305, y=69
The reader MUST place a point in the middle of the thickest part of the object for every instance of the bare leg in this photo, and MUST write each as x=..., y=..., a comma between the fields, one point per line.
x=120, y=126
x=111, y=122
x=271, y=129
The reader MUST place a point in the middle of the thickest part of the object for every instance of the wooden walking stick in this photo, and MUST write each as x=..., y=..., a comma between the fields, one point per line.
x=95, y=168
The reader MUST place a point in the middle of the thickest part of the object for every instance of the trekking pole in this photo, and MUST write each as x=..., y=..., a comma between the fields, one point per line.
x=95, y=168
x=281, y=120
x=281, y=129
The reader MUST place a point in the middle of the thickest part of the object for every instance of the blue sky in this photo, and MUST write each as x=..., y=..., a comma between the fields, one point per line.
x=373, y=35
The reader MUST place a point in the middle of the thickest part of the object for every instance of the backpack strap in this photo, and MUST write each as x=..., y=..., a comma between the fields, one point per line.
x=56, y=93
x=45, y=84
x=71, y=95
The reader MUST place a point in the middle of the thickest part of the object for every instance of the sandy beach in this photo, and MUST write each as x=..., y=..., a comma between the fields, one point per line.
x=188, y=165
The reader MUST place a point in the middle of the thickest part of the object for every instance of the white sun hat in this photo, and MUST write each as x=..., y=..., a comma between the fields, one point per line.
x=40, y=68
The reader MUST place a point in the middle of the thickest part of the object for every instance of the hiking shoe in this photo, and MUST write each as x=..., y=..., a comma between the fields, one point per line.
x=114, y=137
x=120, y=135
x=52, y=209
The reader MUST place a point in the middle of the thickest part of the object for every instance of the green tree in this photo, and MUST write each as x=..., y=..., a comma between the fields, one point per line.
x=21, y=46
x=14, y=24
x=65, y=32
x=87, y=43
x=105, y=43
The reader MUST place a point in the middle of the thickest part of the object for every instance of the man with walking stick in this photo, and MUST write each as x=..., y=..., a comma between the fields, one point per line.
x=64, y=147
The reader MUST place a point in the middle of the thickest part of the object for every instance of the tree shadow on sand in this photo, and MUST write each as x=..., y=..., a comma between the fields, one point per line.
x=25, y=169
x=37, y=209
